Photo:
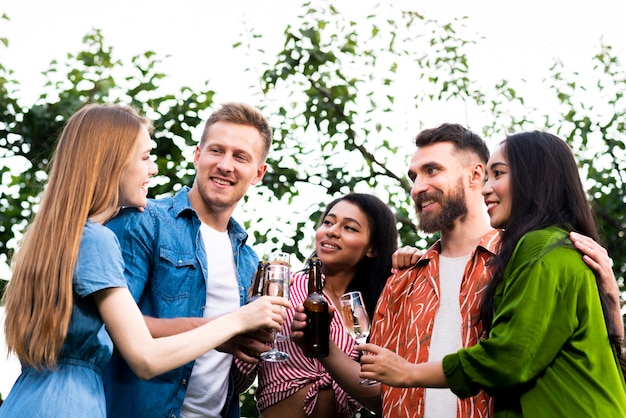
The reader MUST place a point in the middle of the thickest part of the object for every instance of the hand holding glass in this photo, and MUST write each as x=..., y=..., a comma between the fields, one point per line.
x=276, y=283
x=356, y=322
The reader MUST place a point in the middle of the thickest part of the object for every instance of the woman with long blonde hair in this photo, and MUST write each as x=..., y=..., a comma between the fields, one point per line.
x=68, y=276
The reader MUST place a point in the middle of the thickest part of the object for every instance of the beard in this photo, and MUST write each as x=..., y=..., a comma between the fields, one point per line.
x=453, y=206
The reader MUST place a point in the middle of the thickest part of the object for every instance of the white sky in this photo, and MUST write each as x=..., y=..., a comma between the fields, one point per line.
x=521, y=41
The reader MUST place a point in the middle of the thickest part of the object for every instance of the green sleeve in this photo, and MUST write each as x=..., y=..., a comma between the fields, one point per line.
x=458, y=381
x=535, y=315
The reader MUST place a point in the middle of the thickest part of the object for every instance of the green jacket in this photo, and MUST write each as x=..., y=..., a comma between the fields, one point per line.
x=548, y=353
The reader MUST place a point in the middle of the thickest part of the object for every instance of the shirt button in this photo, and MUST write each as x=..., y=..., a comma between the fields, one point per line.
x=180, y=261
x=184, y=382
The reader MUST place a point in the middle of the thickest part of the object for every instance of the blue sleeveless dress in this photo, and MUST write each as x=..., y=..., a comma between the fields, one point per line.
x=74, y=388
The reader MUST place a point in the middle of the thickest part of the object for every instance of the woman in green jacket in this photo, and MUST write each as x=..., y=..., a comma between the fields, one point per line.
x=553, y=346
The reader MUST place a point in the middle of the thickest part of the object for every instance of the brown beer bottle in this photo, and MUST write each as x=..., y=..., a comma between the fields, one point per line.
x=317, y=317
x=257, y=285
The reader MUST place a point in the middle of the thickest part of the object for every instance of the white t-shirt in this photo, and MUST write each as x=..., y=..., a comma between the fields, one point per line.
x=446, y=338
x=208, y=384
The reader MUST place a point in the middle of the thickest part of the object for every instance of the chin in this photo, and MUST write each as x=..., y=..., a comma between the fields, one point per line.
x=498, y=224
x=137, y=203
x=495, y=223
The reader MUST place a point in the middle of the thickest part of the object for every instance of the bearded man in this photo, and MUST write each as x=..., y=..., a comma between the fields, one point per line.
x=433, y=308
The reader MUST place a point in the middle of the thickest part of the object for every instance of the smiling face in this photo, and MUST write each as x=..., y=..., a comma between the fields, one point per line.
x=343, y=238
x=136, y=176
x=230, y=160
x=497, y=189
x=438, y=190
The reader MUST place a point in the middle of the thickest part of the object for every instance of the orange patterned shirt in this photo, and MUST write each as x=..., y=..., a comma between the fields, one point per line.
x=405, y=316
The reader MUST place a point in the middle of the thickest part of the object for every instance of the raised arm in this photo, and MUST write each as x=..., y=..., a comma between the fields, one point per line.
x=148, y=356
x=164, y=327
x=242, y=346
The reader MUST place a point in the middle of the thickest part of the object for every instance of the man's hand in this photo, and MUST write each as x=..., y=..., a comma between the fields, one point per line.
x=247, y=347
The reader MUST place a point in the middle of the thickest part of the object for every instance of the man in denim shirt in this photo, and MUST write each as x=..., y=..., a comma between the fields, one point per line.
x=186, y=262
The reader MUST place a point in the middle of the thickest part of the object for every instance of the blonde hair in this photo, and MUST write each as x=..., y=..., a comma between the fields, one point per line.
x=92, y=152
x=242, y=114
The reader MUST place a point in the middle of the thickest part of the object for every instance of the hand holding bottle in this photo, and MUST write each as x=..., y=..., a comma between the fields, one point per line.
x=316, y=331
x=298, y=324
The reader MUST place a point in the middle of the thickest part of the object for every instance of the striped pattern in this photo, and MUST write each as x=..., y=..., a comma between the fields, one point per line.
x=405, y=315
x=278, y=381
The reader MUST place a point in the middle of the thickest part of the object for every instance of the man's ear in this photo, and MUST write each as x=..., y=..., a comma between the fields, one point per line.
x=477, y=175
x=259, y=174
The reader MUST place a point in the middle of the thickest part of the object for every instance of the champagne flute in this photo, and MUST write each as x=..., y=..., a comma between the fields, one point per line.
x=276, y=283
x=280, y=257
x=357, y=322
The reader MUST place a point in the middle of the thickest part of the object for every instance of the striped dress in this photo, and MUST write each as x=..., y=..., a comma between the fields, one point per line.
x=278, y=381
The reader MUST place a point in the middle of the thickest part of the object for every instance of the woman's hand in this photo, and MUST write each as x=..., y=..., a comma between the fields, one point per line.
x=298, y=324
x=385, y=366
x=597, y=258
x=404, y=257
x=264, y=313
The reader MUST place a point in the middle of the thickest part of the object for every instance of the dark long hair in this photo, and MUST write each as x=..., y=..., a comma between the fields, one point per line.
x=545, y=190
x=372, y=272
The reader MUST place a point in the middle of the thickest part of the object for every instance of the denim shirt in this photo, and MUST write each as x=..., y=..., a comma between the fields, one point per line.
x=166, y=270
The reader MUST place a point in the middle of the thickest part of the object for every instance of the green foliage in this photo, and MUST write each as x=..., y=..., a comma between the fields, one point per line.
x=596, y=130
x=337, y=132
x=345, y=98
x=28, y=135
x=337, y=128
x=247, y=403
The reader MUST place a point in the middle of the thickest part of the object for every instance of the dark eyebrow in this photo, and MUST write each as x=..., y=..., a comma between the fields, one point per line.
x=431, y=164
x=425, y=167
x=219, y=145
x=497, y=164
x=332, y=215
x=352, y=220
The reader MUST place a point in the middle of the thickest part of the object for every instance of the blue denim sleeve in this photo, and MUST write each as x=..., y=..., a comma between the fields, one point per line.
x=247, y=263
x=136, y=233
